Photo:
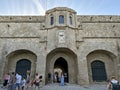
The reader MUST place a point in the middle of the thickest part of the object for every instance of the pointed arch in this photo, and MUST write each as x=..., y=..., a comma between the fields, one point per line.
x=60, y=56
x=61, y=64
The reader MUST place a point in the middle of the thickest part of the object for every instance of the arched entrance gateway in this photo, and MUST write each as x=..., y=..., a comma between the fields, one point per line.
x=21, y=61
x=101, y=65
x=61, y=66
x=62, y=60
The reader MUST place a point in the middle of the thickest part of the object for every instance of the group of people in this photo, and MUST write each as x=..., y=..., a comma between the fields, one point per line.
x=56, y=78
x=17, y=82
x=13, y=81
x=113, y=84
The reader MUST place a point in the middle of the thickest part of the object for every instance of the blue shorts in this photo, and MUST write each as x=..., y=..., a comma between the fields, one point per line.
x=17, y=85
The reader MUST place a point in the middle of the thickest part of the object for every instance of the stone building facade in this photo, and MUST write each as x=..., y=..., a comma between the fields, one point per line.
x=85, y=48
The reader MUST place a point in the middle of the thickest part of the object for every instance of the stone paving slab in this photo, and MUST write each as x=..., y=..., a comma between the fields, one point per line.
x=70, y=87
x=74, y=87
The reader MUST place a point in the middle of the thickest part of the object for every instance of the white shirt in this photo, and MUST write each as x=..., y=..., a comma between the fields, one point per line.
x=114, y=81
x=23, y=82
x=18, y=78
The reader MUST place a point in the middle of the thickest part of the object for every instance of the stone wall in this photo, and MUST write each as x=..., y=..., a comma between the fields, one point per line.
x=90, y=38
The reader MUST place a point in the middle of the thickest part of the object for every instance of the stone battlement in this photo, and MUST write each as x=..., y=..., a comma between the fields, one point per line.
x=80, y=18
x=22, y=18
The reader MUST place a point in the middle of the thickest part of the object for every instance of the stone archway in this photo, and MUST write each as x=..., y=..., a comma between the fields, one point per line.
x=17, y=58
x=60, y=56
x=61, y=66
x=105, y=61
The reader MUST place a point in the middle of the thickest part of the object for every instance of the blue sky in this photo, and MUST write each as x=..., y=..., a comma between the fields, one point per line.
x=38, y=7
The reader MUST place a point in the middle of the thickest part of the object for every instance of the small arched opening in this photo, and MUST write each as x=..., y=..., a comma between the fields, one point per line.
x=23, y=66
x=98, y=71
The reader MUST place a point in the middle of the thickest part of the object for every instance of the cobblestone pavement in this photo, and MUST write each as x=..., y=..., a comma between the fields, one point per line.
x=71, y=87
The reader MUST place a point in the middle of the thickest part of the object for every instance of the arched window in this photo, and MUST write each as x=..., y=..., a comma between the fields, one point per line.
x=98, y=71
x=61, y=19
x=51, y=20
x=70, y=20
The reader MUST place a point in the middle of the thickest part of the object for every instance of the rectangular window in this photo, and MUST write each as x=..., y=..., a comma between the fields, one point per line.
x=70, y=20
x=52, y=21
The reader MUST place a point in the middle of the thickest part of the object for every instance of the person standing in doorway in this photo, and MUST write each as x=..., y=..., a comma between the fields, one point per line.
x=55, y=78
x=49, y=77
x=62, y=80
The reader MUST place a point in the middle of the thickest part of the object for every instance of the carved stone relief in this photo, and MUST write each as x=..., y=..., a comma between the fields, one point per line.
x=61, y=36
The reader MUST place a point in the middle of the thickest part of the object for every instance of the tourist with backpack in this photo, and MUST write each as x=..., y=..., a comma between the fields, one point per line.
x=114, y=84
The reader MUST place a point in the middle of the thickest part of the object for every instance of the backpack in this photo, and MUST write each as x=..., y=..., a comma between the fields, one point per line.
x=115, y=86
x=36, y=83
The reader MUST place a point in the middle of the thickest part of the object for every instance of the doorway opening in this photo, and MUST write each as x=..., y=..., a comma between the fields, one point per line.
x=98, y=71
x=61, y=66
x=22, y=67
